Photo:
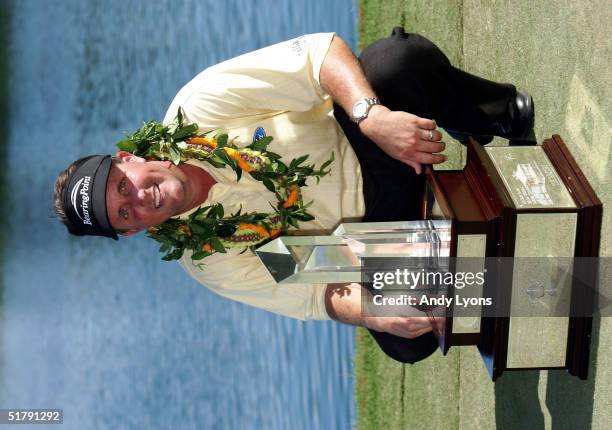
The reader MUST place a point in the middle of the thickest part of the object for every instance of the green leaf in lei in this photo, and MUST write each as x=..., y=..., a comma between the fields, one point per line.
x=261, y=144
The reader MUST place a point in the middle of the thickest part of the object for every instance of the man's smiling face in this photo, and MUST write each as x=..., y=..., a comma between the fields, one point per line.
x=140, y=193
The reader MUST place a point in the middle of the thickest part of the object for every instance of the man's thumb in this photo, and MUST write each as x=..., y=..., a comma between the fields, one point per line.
x=415, y=165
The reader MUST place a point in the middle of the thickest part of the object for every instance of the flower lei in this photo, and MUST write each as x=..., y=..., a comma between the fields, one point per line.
x=207, y=230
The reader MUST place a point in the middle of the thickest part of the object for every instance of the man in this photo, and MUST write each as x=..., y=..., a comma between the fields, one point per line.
x=382, y=132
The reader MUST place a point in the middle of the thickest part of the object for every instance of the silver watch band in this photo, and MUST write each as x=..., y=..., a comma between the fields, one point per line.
x=369, y=102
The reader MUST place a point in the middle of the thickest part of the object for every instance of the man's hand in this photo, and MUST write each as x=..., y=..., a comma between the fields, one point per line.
x=403, y=136
x=343, y=303
x=408, y=327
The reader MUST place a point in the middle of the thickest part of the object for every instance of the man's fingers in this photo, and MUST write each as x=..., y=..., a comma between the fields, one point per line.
x=421, y=332
x=430, y=147
x=417, y=322
x=426, y=158
x=416, y=326
x=415, y=165
x=408, y=327
x=427, y=124
x=430, y=135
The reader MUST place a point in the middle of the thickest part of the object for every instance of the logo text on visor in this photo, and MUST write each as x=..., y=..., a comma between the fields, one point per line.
x=81, y=188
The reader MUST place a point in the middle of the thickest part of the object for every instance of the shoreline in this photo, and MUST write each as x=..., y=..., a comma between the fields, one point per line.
x=4, y=114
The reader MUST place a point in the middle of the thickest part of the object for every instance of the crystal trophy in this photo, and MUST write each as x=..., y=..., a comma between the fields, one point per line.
x=337, y=258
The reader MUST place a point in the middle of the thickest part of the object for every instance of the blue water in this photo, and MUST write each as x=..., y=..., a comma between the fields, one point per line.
x=106, y=331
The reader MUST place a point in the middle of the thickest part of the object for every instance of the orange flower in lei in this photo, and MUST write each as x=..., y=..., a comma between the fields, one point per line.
x=256, y=228
x=294, y=193
x=209, y=143
x=184, y=229
x=275, y=233
x=235, y=155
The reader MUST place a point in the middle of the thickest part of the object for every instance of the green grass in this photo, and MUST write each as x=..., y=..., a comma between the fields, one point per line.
x=560, y=52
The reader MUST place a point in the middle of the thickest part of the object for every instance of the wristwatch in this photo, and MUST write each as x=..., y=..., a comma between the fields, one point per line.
x=362, y=107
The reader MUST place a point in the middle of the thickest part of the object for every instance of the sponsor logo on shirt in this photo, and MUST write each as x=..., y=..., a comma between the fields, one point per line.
x=297, y=45
x=260, y=133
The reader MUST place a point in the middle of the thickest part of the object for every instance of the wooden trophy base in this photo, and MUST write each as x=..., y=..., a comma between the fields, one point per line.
x=519, y=202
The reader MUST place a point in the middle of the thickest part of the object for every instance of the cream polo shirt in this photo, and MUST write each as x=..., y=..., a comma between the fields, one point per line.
x=276, y=88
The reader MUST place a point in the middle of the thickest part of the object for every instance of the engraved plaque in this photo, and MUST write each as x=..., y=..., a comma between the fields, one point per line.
x=530, y=177
x=540, y=341
x=469, y=245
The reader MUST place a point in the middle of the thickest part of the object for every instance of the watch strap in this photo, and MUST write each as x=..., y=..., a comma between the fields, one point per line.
x=370, y=101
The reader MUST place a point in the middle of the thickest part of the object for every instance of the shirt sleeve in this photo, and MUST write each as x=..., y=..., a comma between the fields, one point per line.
x=278, y=78
x=242, y=277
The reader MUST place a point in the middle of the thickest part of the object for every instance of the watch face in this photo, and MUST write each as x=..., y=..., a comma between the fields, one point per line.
x=360, y=108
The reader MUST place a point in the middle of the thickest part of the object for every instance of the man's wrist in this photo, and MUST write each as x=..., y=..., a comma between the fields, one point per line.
x=368, y=125
x=361, y=108
x=372, y=323
x=343, y=303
